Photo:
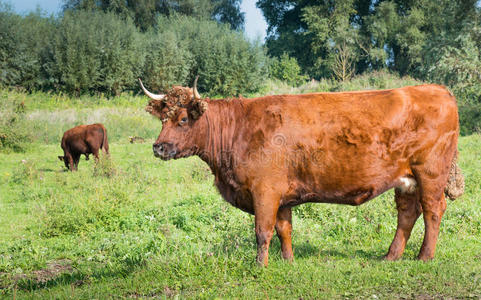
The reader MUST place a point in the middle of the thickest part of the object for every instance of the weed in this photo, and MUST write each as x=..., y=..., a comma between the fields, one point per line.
x=26, y=172
x=105, y=167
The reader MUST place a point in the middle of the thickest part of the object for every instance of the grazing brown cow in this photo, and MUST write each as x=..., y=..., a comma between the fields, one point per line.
x=271, y=153
x=83, y=139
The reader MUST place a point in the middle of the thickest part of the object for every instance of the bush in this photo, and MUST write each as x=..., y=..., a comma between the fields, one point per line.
x=92, y=52
x=95, y=51
x=104, y=167
x=23, y=49
x=168, y=61
x=367, y=81
x=470, y=118
x=286, y=69
x=227, y=64
x=458, y=66
x=14, y=136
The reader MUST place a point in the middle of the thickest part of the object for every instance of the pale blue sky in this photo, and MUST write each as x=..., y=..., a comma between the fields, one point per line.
x=255, y=25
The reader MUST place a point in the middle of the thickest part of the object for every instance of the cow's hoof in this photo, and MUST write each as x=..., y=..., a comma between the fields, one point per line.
x=391, y=257
x=424, y=258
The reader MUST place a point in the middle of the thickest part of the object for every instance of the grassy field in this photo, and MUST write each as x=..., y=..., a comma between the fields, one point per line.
x=134, y=226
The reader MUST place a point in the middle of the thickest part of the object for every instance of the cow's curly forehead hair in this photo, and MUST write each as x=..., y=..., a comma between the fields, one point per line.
x=178, y=97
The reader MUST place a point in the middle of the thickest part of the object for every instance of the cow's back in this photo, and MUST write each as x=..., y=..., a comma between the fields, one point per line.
x=83, y=138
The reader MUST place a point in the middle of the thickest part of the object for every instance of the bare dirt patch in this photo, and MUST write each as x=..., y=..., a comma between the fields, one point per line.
x=53, y=270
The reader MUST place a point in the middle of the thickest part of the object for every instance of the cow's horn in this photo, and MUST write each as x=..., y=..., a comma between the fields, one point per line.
x=196, y=93
x=153, y=96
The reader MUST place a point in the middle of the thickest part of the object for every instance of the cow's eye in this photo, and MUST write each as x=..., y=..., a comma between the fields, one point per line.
x=183, y=120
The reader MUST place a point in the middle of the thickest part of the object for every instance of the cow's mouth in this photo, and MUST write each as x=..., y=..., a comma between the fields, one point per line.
x=169, y=151
x=165, y=155
x=164, y=151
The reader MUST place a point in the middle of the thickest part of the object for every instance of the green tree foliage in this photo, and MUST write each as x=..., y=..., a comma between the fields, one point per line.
x=145, y=12
x=228, y=12
x=226, y=63
x=23, y=53
x=168, y=61
x=88, y=51
x=9, y=53
x=286, y=69
x=368, y=35
x=95, y=51
x=333, y=39
x=286, y=31
x=397, y=36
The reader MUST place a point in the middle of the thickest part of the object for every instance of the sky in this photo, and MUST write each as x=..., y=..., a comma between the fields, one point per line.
x=255, y=25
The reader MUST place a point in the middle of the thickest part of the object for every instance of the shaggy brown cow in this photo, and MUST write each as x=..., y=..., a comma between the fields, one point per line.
x=271, y=153
x=83, y=139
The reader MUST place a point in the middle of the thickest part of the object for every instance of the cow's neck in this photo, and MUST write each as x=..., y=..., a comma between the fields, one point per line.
x=218, y=128
x=219, y=131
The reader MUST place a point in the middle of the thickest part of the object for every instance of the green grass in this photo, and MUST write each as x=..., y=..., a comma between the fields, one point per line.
x=135, y=226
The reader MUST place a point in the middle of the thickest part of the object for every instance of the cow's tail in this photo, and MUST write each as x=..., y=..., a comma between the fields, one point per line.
x=105, y=142
x=455, y=186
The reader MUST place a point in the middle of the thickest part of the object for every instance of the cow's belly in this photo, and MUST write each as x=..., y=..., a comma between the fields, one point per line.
x=350, y=195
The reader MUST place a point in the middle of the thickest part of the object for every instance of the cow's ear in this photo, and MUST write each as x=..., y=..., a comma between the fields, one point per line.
x=199, y=106
x=60, y=158
x=156, y=108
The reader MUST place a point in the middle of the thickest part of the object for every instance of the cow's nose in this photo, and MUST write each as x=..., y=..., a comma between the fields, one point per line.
x=158, y=147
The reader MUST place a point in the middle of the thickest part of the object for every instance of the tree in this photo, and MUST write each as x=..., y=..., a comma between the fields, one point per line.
x=23, y=48
x=397, y=35
x=286, y=69
x=343, y=64
x=333, y=38
x=145, y=12
x=228, y=12
x=286, y=31
x=95, y=52
x=367, y=35
x=227, y=64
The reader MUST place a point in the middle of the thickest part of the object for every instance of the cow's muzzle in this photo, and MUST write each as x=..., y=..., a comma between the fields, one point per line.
x=164, y=151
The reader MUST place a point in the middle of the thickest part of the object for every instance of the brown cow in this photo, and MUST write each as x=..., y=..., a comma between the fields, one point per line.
x=271, y=153
x=83, y=139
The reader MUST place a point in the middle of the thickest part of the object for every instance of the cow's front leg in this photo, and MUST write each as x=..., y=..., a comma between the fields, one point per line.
x=265, y=208
x=70, y=162
x=284, y=230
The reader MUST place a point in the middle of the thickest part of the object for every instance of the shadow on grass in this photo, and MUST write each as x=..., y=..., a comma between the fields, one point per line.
x=305, y=250
x=245, y=245
x=49, y=170
x=75, y=278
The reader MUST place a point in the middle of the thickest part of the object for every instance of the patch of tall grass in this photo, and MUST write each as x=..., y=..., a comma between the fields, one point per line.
x=43, y=117
x=368, y=81
x=13, y=135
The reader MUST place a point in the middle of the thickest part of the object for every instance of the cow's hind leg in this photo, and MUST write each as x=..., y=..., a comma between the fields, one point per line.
x=409, y=209
x=76, y=158
x=95, y=153
x=432, y=176
x=433, y=205
x=284, y=230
